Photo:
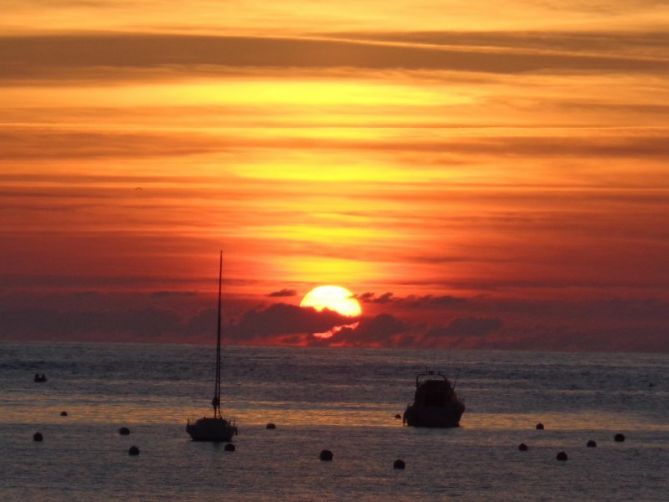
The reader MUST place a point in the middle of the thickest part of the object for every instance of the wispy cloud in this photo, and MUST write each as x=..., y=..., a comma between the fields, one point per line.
x=42, y=143
x=59, y=56
x=283, y=293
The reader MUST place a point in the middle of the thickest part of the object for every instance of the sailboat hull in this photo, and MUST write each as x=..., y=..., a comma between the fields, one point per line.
x=214, y=430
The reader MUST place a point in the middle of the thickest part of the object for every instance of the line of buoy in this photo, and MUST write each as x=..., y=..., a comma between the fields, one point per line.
x=562, y=456
x=327, y=455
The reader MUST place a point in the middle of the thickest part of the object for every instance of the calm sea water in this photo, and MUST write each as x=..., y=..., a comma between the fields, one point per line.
x=340, y=399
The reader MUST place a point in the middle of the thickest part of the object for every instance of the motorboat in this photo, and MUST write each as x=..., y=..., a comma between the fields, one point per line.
x=436, y=404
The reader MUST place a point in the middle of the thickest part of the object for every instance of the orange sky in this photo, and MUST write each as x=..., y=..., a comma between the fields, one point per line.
x=511, y=156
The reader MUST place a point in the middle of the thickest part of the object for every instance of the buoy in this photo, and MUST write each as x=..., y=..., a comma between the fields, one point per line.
x=270, y=426
x=398, y=417
x=38, y=437
x=63, y=413
x=124, y=431
x=540, y=426
x=133, y=451
x=522, y=447
x=591, y=444
x=230, y=447
x=562, y=456
x=619, y=438
x=399, y=464
x=326, y=455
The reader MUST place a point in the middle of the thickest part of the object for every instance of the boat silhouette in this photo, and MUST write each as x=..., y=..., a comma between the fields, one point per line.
x=214, y=429
x=436, y=404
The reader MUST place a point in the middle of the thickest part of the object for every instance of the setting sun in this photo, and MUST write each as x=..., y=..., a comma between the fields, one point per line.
x=335, y=298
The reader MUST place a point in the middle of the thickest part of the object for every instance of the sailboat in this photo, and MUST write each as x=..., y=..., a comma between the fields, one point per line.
x=216, y=428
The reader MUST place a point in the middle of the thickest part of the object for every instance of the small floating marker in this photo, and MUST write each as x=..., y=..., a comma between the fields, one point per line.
x=326, y=456
x=124, y=431
x=591, y=444
x=540, y=426
x=230, y=447
x=399, y=464
x=133, y=451
x=38, y=437
x=398, y=417
x=522, y=447
x=651, y=384
x=619, y=438
x=562, y=456
x=63, y=413
x=270, y=426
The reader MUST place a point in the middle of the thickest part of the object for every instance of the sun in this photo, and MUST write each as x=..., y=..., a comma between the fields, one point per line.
x=335, y=298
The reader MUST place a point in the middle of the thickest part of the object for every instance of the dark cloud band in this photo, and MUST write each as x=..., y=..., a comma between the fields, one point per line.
x=60, y=56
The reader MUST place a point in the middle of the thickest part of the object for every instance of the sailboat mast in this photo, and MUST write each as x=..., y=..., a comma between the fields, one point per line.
x=216, y=402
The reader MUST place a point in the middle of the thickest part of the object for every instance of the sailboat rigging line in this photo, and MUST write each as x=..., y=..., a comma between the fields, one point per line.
x=215, y=429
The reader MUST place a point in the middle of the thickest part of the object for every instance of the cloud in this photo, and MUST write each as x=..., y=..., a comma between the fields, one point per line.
x=165, y=317
x=62, y=56
x=601, y=42
x=614, y=324
x=413, y=301
x=172, y=294
x=283, y=319
x=379, y=331
x=17, y=143
x=463, y=333
x=139, y=324
x=582, y=310
x=640, y=338
x=466, y=326
x=372, y=298
x=282, y=293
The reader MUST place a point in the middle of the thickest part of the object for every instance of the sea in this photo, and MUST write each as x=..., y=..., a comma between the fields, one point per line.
x=344, y=400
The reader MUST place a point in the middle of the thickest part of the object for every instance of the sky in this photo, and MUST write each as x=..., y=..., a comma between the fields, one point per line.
x=483, y=174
